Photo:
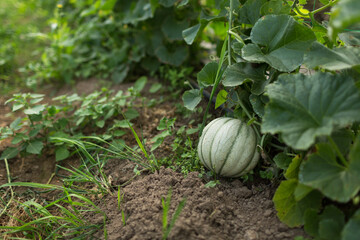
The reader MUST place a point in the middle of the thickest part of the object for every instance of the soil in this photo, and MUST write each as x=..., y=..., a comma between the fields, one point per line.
x=230, y=210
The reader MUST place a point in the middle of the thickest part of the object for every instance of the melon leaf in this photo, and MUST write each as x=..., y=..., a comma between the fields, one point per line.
x=302, y=108
x=337, y=182
x=279, y=41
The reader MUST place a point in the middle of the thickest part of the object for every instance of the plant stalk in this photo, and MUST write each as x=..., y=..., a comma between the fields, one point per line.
x=230, y=26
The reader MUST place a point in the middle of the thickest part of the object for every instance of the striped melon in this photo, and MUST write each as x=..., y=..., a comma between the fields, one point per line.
x=228, y=147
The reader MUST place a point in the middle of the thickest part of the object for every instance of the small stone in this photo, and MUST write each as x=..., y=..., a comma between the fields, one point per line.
x=245, y=192
x=251, y=235
x=220, y=194
x=267, y=232
x=267, y=213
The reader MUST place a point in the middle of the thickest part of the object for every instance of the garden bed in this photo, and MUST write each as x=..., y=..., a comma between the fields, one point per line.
x=230, y=210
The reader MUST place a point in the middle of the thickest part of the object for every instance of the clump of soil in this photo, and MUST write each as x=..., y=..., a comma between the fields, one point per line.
x=227, y=211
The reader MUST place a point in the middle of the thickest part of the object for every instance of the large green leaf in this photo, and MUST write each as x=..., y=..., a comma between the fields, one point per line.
x=173, y=57
x=206, y=77
x=135, y=11
x=190, y=33
x=9, y=152
x=332, y=59
x=344, y=14
x=275, y=7
x=35, y=110
x=280, y=41
x=351, y=230
x=289, y=210
x=249, y=13
x=323, y=172
x=351, y=36
x=304, y=107
x=238, y=73
x=173, y=28
x=191, y=98
x=332, y=220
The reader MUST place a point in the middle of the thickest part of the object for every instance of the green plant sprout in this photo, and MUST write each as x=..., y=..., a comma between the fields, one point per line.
x=167, y=226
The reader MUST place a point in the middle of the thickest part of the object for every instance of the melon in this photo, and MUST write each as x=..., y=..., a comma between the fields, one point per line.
x=228, y=147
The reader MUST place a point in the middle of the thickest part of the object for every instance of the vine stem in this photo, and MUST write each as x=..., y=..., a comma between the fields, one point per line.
x=338, y=152
x=330, y=4
x=230, y=26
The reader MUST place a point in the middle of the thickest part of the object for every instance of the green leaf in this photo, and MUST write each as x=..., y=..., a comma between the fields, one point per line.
x=155, y=87
x=282, y=160
x=100, y=123
x=119, y=133
x=16, y=124
x=305, y=107
x=221, y=98
x=190, y=33
x=206, y=77
x=17, y=106
x=173, y=28
x=9, y=153
x=351, y=36
x=137, y=11
x=120, y=74
x=332, y=220
x=167, y=3
x=61, y=153
x=284, y=42
x=332, y=59
x=301, y=191
x=257, y=104
x=131, y=113
x=122, y=124
x=323, y=172
x=191, y=98
x=275, y=7
x=173, y=57
x=289, y=210
x=34, y=147
x=35, y=130
x=250, y=11
x=351, y=230
x=140, y=83
x=239, y=73
x=19, y=137
x=292, y=171
x=343, y=139
x=343, y=14
x=108, y=5
x=311, y=225
x=35, y=110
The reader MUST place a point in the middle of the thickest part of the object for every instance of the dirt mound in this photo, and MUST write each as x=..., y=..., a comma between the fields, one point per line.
x=228, y=211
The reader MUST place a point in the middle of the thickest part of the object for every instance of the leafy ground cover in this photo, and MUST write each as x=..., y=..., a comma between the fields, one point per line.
x=289, y=69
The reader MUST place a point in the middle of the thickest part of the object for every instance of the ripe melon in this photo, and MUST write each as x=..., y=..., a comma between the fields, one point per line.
x=228, y=147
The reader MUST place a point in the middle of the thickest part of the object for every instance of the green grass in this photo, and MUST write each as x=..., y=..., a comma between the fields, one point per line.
x=64, y=217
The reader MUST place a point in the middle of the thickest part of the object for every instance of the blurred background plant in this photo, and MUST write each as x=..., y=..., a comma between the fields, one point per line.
x=21, y=36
